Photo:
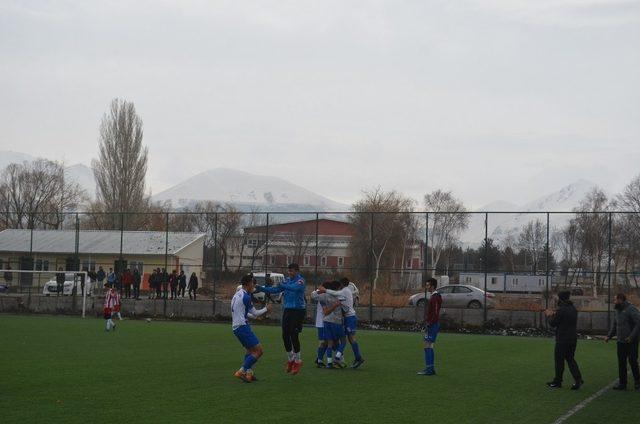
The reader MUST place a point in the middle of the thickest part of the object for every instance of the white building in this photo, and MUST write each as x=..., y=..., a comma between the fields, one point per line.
x=506, y=283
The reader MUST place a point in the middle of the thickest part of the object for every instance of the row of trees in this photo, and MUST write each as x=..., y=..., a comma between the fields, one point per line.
x=388, y=231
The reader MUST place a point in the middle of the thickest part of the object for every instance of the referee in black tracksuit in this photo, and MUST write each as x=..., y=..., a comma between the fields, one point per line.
x=565, y=320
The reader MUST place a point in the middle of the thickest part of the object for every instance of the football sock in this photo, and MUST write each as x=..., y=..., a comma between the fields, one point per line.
x=290, y=356
x=321, y=353
x=329, y=355
x=296, y=356
x=356, y=350
x=429, y=357
x=341, y=347
x=249, y=360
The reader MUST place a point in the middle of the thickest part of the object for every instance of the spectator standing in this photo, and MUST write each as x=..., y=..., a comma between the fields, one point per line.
x=626, y=328
x=182, y=284
x=111, y=278
x=127, y=282
x=137, y=280
x=100, y=276
x=173, y=283
x=193, y=285
x=165, y=283
x=60, y=280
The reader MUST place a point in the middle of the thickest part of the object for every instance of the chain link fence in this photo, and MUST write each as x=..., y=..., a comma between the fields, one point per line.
x=493, y=268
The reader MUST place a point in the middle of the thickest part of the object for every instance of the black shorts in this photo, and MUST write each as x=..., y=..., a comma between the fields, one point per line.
x=292, y=320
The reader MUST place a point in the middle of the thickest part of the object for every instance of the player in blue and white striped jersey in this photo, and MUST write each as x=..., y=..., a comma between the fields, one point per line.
x=350, y=321
x=241, y=309
x=333, y=325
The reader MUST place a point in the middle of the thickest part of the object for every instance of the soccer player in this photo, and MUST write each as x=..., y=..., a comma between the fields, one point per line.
x=292, y=315
x=242, y=308
x=333, y=326
x=109, y=304
x=117, y=304
x=350, y=320
x=432, y=319
x=322, y=344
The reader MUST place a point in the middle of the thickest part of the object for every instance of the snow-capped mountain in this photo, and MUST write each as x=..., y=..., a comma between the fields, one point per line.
x=245, y=189
x=502, y=224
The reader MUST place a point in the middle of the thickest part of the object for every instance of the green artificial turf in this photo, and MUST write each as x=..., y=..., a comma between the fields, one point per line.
x=68, y=370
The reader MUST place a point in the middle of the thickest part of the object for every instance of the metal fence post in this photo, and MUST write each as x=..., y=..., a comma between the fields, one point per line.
x=546, y=268
x=166, y=265
x=215, y=261
x=266, y=248
x=121, y=235
x=315, y=275
x=370, y=270
x=77, y=259
x=486, y=259
x=425, y=265
x=609, y=272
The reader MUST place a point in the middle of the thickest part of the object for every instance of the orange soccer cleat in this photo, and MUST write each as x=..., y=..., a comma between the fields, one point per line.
x=290, y=366
x=296, y=368
x=242, y=376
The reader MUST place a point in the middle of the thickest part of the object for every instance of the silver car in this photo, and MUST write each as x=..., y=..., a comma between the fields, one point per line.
x=457, y=296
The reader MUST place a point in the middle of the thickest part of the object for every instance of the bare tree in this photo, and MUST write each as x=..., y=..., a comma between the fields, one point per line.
x=592, y=228
x=447, y=219
x=627, y=228
x=121, y=167
x=509, y=245
x=532, y=241
x=36, y=194
x=380, y=224
x=567, y=242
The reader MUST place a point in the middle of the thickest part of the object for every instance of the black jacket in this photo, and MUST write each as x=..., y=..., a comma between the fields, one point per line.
x=566, y=322
x=193, y=282
x=100, y=275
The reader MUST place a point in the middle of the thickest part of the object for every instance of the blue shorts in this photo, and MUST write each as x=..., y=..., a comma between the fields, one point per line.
x=320, y=333
x=432, y=333
x=333, y=331
x=350, y=324
x=246, y=336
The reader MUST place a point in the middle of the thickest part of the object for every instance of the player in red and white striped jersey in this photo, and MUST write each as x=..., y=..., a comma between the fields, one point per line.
x=111, y=301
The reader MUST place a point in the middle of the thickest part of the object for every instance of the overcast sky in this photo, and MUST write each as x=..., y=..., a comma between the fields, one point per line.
x=497, y=99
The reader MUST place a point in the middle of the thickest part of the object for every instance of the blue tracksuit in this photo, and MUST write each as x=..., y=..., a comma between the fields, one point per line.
x=293, y=289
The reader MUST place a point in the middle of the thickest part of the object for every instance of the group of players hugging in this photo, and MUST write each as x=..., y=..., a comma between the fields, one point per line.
x=336, y=322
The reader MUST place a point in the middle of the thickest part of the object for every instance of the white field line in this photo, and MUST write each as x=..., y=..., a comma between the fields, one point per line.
x=584, y=403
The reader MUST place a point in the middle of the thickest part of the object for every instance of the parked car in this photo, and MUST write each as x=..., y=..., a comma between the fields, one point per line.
x=4, y=288
x=274, y=279
x=457, y=296
x=71, y=283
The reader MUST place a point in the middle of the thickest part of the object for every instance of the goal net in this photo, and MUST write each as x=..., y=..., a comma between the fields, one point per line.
x=48, y=283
